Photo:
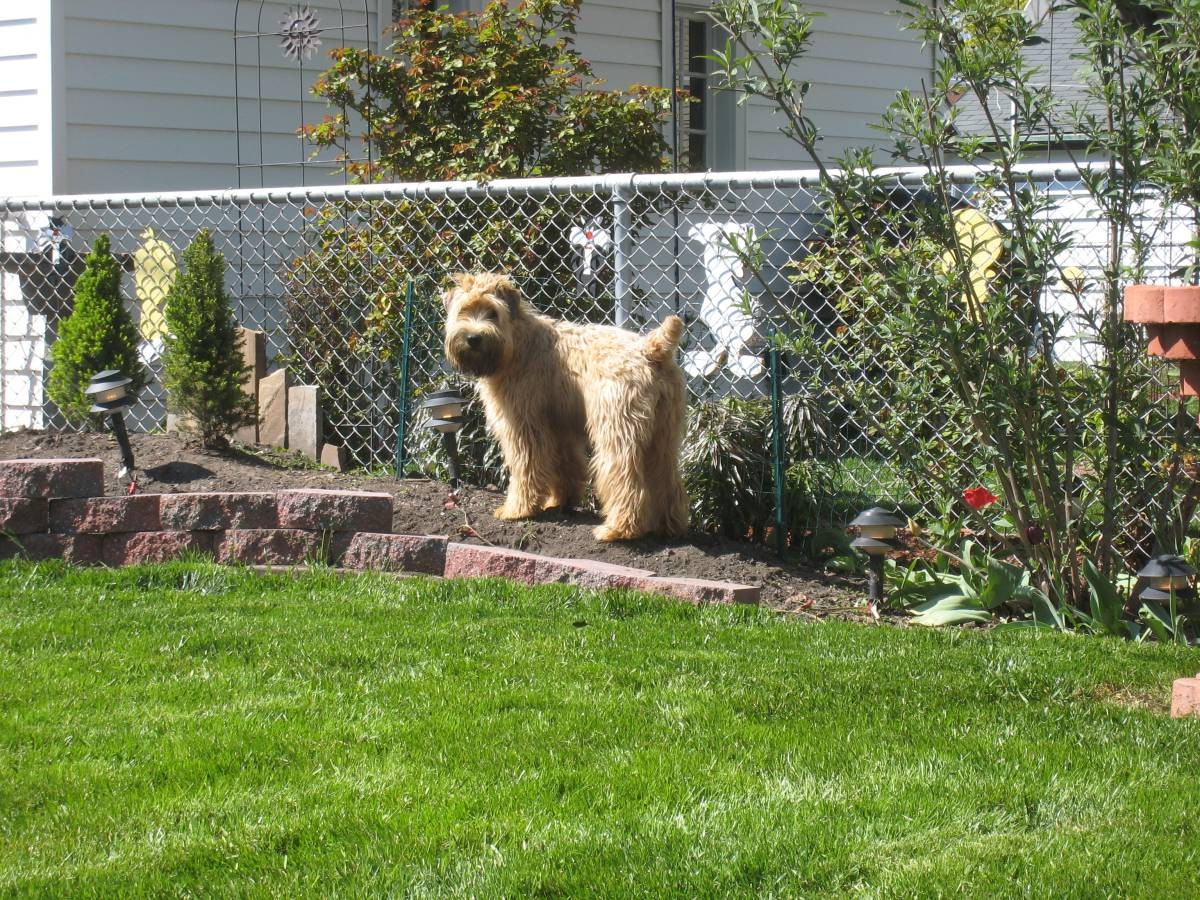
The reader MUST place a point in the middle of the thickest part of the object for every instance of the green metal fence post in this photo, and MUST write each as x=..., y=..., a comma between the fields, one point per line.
x=402, y=400
x=778, y=452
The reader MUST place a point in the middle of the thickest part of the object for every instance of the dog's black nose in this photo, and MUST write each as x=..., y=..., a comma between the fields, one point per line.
x=473, y=341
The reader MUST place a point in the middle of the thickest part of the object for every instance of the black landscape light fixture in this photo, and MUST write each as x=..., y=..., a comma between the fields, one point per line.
x=108, y=391
x=877, y=535
x=1169, y=577
x=445, y=410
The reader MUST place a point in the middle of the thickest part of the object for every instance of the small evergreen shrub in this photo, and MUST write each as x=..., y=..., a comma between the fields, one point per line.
x=203, y=368
x=99, y=334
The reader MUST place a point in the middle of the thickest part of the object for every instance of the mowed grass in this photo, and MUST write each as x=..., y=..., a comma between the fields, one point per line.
x=188, y=729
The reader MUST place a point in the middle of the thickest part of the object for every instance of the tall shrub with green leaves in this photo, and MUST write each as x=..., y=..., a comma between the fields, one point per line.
x=1051, y=437
x=203, y=367
x=99, y=334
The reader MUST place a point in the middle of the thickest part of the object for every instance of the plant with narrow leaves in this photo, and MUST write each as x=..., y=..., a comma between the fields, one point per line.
x=99, y=334
x=203, y=367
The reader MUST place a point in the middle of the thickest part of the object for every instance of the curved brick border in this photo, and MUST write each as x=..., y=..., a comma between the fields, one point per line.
x=53, y=509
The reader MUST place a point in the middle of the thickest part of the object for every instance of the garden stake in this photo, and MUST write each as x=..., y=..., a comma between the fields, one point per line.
x=402, y=400
x=777, y=452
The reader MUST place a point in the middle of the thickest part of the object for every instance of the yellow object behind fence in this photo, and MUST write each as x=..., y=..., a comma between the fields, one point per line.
x=981, y=244
x=154, y=270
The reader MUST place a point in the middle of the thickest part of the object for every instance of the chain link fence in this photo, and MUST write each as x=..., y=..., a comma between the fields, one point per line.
x=742, y=257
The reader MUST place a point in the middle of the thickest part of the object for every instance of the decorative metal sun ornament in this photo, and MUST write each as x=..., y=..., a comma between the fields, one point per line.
x=299, y=29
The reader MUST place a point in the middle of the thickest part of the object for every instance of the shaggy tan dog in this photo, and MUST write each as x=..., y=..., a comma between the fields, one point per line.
x=550, y=389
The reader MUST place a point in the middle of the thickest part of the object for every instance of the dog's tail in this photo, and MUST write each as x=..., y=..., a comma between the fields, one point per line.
x=661, y=342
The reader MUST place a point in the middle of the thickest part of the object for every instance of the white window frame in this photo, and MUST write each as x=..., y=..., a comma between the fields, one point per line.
x=725, y=122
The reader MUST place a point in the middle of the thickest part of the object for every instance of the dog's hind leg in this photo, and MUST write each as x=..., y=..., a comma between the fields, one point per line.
x=569, y=481
x=619, y=435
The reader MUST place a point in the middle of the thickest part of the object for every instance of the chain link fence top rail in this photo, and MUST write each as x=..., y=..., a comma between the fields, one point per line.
x=322, y=271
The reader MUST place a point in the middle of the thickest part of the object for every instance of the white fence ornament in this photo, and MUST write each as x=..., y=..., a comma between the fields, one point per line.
x=722, y=309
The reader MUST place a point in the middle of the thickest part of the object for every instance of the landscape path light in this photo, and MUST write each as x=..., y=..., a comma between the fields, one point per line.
x=1169, y=577
x=877, y=535
x=108, y=391
x=445, y=409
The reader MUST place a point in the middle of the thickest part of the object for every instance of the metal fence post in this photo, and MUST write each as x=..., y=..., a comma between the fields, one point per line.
x=621, y=191
x=777, y=452
x=402, y=400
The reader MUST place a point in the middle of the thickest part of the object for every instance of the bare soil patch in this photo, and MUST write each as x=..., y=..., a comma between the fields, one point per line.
x=171, y=463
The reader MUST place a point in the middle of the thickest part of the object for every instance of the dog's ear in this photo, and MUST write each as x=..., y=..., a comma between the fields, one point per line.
x=505, y=290
x=459, y=281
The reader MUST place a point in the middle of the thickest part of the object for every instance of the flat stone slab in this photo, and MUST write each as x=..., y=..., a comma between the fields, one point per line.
x=219, y=511
x=24, y=515
x=698, y=590
x=475, y=561
x=106, y=515
x=391, y=552
x=304, y=433
x=51, y=478
x=318, y=510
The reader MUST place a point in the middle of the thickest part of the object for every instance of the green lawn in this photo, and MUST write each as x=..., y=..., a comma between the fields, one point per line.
x=191, y=729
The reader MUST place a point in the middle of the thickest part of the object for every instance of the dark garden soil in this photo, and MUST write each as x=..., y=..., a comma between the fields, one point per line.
x=169, y=463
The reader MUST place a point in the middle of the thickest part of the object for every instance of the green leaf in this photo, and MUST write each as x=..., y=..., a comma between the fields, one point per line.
x=1106, y=604
x=951, y=608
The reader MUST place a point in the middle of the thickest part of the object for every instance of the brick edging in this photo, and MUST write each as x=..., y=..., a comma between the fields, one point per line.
x=55, y=509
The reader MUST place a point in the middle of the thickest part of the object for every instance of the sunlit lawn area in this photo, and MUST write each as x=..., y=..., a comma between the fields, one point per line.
x=192, y=729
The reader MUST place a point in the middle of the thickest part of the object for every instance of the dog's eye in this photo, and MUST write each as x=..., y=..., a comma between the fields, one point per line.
x=491, y=316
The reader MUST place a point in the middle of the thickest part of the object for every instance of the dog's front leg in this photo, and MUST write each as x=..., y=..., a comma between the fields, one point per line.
x=527, y=479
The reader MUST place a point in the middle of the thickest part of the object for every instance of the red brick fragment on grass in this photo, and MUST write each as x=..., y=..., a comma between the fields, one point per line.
x=51, y=478
x=1185, y=697
x=80, y=549
x=317, y=510
x=391, y=552
x=24, y=515
x=272, y=547
x=219, y=511
x=137, y=547
x=106, y=515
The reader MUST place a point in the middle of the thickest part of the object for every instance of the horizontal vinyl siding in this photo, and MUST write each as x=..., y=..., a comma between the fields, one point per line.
x=623, y=40
x=859, y=58
x=150, y=94
x=25, y=164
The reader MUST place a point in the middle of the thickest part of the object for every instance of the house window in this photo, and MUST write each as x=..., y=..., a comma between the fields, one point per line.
x=704, y=126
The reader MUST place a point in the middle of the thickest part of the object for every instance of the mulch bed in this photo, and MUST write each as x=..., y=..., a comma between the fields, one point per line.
x=171, y=463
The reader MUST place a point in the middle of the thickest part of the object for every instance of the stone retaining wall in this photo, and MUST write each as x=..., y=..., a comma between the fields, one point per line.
x=55, y=509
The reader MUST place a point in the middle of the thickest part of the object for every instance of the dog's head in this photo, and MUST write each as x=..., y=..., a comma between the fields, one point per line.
x=480, y=314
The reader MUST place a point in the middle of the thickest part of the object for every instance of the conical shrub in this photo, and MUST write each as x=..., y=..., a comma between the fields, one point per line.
x=99, y=334
x=203, y=367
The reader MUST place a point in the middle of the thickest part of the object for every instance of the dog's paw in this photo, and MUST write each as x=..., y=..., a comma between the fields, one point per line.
x=608, y=533
x=507, y=514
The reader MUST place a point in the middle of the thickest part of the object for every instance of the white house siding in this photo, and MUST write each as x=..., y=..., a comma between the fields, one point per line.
x=150, y=93
x=26, y=120
x=859, y=58
x=26, y=168
x=623, y=40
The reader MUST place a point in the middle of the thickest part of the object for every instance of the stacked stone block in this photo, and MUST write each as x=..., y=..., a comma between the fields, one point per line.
x=55, y=509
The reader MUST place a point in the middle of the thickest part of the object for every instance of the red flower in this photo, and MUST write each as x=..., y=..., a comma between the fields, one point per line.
x=979, y=497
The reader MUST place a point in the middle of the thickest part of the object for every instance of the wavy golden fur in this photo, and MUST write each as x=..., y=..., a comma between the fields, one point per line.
x=551, y=390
